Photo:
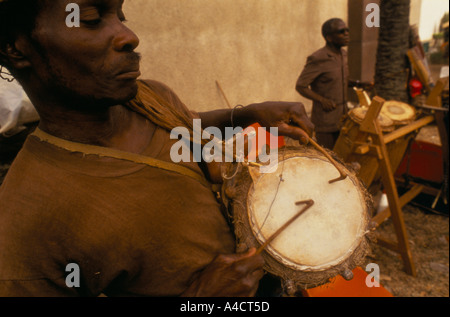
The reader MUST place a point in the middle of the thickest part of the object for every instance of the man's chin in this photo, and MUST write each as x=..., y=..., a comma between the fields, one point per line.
x=132, y=94
x=113, y=100
x=126, y=94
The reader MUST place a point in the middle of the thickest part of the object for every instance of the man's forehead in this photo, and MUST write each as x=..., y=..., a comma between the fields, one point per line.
x=56, y=8
x=338, y=24
x=98, y=2
x=82, y=3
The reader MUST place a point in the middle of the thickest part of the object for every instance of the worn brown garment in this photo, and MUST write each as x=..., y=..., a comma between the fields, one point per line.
x=326, y=73
x=134, y=230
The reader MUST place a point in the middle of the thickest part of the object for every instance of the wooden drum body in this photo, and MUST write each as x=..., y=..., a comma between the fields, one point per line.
x=399, y=112
x=392, y=115
x=328, y=239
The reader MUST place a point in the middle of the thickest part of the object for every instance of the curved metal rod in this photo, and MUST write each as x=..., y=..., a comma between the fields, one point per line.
x=343, y=174
x=308, y=203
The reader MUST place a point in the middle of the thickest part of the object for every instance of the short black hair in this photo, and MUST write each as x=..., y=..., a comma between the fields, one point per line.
x=17, y=17
x=327, y=27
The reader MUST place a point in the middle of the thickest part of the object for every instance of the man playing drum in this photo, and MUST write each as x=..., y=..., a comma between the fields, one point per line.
x=131, y=228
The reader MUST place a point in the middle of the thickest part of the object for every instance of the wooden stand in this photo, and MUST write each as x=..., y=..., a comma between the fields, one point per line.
x=434, y=101
x=371, y=142
x=370, y=130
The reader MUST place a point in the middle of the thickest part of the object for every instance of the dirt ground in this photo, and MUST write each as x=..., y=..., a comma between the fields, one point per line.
x=428, y=235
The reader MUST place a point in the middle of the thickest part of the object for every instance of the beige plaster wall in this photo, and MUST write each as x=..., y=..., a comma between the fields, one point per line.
x=414, y=16
x=255, y=49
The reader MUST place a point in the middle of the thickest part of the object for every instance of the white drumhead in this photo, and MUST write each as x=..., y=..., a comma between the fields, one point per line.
x=398, y=111
x=358, y=115
x=327, y=233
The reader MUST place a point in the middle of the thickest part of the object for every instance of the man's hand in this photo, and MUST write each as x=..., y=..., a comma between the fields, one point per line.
x=234, y=275
x=289, y=117
x=327, y=104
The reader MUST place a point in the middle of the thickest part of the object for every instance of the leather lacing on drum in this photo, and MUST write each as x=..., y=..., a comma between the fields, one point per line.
x=276, y=193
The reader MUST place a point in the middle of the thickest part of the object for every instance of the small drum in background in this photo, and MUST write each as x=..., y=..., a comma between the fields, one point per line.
x=358, y=115
x=393, y=115
x=327, y=240
x=345, y=143
x=399, y=112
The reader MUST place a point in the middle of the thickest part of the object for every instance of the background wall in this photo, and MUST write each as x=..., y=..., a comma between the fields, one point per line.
x=255, y=49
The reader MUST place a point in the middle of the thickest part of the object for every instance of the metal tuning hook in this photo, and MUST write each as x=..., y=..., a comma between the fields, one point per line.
x=343, y=174
x=308, y=204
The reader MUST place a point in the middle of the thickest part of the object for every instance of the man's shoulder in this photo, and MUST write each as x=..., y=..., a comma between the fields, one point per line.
x=321, y=52
x=164, y=94
x=157, y=86
x=324, y=54
x=320, y=55
x=161, y=90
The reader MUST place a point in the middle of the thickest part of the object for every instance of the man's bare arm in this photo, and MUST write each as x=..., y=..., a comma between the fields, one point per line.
x=289, y=117
x=306, y=92
x=234, y=275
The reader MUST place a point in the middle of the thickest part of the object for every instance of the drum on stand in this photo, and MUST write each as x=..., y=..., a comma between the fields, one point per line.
x=327, y=240
x=399, y=112
x=392, y=115
x=358, y=115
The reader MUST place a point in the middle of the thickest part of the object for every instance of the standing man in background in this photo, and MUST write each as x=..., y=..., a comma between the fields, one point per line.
x=324, y=80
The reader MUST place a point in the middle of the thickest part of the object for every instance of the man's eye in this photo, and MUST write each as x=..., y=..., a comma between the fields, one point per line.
x=91, y=16
x=92, y=22
x=121, y=16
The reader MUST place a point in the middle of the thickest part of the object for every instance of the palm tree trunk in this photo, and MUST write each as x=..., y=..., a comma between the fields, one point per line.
x=391, y=73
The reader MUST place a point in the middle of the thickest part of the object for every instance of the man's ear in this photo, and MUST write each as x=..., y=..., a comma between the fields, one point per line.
x=14, y=57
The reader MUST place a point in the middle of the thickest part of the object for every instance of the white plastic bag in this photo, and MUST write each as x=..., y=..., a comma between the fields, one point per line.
x=16, y=108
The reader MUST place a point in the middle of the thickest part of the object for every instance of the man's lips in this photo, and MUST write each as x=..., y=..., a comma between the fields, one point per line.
x=129, y=74
x=131, y=66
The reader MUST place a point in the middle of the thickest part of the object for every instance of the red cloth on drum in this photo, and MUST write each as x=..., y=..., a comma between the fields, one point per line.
x=132, y=229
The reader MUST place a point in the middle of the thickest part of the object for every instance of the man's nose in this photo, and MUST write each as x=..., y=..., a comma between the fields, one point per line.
x=125, y=40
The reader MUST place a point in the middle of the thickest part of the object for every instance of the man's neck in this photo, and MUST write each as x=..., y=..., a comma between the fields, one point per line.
x=115, y=127
x=334, y=48
x=95, y=127
x=89, y=122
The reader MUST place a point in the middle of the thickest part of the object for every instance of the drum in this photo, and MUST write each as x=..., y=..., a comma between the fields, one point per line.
x=358, y=115
x=345, y=145
x=399, y=112
x=369, y=167
x=327, y=240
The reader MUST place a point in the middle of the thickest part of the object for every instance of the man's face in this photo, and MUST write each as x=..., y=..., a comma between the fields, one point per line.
x=340, y=35
x=94, y=62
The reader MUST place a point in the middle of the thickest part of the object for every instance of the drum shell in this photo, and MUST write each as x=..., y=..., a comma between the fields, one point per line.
x=369, y=171
x=399, y=112
x=236, y=193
